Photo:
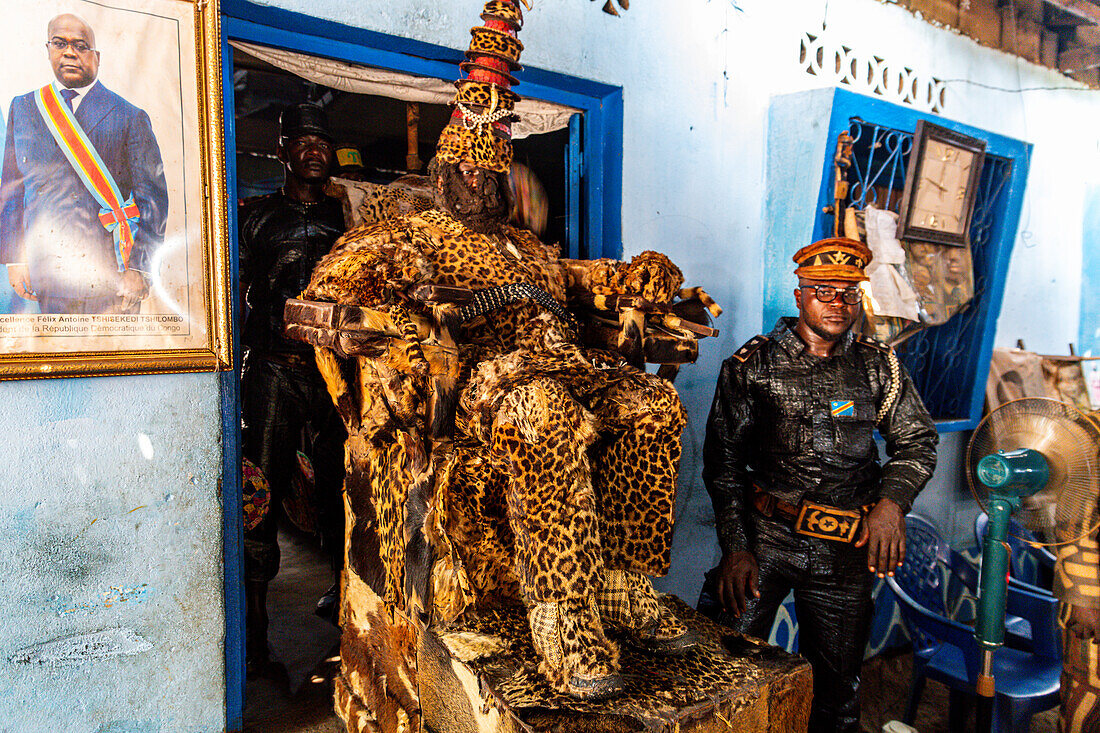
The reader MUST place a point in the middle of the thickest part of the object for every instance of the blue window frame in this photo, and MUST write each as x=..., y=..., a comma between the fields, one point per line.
x=948, y=363
x=594, y=229
x=940, y=358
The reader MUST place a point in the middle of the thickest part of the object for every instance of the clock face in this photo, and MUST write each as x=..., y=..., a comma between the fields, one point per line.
x=942, y=188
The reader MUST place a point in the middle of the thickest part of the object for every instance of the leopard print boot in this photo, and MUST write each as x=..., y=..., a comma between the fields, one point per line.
x=627, y=601
x=575, y=656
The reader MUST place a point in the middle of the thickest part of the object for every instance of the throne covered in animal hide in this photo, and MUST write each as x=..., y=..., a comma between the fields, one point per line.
x=434, y=634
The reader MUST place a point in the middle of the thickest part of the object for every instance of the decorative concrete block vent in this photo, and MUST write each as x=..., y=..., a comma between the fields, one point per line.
x=822, y=55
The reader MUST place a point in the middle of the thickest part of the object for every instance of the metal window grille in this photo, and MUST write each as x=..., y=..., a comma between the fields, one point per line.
x=939, y=358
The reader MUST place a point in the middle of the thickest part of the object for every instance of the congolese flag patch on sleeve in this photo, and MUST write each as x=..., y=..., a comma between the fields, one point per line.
x=843, y=408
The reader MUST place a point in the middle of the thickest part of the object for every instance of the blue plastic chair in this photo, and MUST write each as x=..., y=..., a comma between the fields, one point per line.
x=946, y=650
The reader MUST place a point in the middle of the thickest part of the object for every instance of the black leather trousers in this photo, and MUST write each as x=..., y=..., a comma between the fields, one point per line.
x=278, y=400
x=834, y=620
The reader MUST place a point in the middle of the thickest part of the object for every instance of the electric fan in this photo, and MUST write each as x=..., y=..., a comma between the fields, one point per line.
x=1039, y=457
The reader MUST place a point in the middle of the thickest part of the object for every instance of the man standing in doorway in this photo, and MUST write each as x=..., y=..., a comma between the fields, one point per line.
x=84, y=202
x=282, y=237
x=800, y=500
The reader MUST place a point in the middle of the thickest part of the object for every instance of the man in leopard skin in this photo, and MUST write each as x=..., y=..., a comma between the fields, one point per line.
x=556, y=486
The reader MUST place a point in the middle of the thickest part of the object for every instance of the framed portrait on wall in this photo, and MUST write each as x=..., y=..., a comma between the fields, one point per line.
x=112, y=190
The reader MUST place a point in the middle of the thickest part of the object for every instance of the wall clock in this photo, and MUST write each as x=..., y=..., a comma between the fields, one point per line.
x=941, y=184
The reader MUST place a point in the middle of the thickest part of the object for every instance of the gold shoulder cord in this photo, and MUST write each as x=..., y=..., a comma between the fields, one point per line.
x=895, y=385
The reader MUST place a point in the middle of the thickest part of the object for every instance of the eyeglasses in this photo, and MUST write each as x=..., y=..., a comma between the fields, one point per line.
x=60, y=44
x=827, y=293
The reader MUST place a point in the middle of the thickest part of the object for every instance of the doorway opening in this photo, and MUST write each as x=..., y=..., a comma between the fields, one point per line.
x=391, y=121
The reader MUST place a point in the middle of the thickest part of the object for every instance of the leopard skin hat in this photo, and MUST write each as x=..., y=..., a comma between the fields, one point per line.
x=479, y=130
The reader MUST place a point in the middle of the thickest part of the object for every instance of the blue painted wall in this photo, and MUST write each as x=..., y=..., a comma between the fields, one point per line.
x=110, y=555
x=1088, y=338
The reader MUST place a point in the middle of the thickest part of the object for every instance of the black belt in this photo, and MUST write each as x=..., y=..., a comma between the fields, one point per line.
x=812, y=519
x=493, y=298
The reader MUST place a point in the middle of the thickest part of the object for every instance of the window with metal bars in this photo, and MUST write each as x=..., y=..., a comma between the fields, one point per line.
x=939, y=357
x=949, y=362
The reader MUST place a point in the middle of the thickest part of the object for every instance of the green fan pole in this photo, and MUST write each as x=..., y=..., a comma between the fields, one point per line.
x=1009, y=476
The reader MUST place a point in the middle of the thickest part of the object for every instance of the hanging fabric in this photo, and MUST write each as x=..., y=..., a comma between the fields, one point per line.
x=535, y=116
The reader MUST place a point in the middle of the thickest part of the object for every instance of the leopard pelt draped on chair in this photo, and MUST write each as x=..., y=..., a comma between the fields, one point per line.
x=562, y=461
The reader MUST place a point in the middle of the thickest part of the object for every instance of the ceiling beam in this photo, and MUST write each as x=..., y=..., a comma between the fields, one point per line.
x=1079, y=59
x=1081, y=8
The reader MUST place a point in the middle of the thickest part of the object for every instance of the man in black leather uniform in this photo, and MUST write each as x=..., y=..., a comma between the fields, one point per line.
x=800, y=500
x=282, y=237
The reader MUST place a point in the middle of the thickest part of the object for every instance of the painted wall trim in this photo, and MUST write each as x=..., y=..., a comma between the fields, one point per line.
x=847, y=104
x=784, y=212
x=233, y=512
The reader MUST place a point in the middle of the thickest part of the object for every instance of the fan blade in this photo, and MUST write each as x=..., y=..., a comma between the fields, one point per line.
x=1066, y=508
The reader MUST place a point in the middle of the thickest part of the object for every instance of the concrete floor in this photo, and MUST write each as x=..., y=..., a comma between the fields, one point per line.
x=885, y=692
x=297, y=696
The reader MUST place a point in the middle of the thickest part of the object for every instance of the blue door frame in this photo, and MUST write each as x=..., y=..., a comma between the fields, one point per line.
x=601, y=104
x=598, y=204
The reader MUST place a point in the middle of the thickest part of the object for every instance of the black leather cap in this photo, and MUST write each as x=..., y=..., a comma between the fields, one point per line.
x=303, y=119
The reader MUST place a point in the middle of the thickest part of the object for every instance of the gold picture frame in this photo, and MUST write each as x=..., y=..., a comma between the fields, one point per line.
x=143, y=136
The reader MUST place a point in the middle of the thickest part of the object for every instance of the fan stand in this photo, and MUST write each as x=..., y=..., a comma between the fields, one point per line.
x=1019, y=449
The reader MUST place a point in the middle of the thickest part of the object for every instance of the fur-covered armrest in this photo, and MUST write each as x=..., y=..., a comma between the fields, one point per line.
x=351, y=330
x=650, y=275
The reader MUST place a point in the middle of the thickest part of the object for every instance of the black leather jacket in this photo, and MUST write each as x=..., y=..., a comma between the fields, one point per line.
x=281, y=241
x=780, y=419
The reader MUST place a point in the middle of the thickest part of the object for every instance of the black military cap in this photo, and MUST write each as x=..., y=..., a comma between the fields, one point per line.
x=303, y=119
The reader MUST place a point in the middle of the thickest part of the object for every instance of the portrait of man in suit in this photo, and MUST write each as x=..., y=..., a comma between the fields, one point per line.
x=83, y=197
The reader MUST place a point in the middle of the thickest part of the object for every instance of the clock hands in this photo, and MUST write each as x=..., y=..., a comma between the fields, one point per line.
x=946, y=166
x=940, y=186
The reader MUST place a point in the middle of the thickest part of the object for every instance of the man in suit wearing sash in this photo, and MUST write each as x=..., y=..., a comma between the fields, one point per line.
x=83, y=202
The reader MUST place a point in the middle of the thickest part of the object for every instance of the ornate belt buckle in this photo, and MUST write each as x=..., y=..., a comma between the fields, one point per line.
x=827, y=522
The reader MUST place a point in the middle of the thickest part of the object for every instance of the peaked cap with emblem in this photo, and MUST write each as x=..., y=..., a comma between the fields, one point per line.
x=479, y=130
x=837, y=258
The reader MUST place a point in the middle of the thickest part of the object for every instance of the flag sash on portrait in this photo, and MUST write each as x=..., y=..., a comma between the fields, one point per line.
x=117, y=215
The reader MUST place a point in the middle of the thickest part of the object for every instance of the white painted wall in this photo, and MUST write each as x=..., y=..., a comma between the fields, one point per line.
x=697, y=78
